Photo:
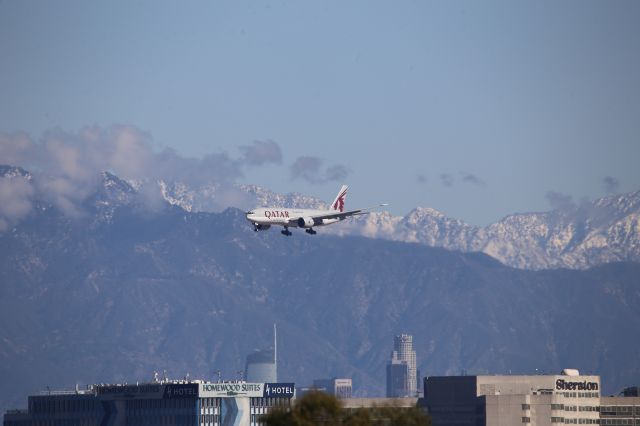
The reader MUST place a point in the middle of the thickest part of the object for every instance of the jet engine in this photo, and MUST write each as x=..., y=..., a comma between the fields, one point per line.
x=260, y=227
x=330, y=221
x=305, y=222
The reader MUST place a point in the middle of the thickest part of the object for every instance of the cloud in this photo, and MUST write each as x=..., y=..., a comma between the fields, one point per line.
x=611, y=184
x=67, y=166
x=16, y=193
x=472, y=179
x=262, y=152
x=559, y=201
x=421, y=179
x=446, y=180
x=311, y=169
x=337, y=172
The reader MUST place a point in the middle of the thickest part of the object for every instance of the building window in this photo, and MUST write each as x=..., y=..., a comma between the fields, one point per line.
x=526, y=406
x=526, y=420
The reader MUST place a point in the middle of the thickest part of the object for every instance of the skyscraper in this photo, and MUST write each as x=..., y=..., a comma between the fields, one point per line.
x=401, y=369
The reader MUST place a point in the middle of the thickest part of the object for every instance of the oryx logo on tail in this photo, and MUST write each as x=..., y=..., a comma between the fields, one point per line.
x=338, y=203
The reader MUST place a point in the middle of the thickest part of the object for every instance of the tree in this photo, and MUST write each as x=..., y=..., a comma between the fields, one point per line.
x=321, y=409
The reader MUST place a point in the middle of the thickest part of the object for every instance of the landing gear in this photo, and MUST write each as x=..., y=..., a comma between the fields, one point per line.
x=255, y=228
x=286, y=231
x=310, y=231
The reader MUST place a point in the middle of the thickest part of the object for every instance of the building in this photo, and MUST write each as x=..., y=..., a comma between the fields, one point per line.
x=567, y=398
x=621, y=410
x=80, y=407
x=195, y=403
x=261, y=367
x=397, y=379
x=262, y=364
x=401, y=369
x=340, y=388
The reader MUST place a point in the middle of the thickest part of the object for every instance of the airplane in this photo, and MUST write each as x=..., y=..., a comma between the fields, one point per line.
x=263, y=218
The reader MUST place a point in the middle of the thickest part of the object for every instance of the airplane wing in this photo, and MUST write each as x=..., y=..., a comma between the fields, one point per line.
x=338, y=215
x=341, y=215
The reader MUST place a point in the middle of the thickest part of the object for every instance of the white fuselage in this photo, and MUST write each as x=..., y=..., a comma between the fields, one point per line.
x=288, y=217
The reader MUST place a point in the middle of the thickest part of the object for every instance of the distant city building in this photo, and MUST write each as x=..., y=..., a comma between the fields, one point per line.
x=397, y=379
x=194, y=403
x=340, y=388
x=401, y=369
x=545, y=400
x=262, y=365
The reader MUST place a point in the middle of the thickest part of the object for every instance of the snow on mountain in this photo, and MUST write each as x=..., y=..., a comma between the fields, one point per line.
x=265, y=198
x=590, y=234
x=607, y=230
x=7, y=171
x=204, y=198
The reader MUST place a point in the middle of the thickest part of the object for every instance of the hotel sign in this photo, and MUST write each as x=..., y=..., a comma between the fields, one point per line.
x=279, y=390
x=231, y=390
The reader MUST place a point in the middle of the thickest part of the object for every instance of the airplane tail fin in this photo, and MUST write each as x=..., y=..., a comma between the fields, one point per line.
x=338, y=203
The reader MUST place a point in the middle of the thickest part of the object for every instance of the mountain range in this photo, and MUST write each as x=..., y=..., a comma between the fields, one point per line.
x=577, y=236
x=121, y=291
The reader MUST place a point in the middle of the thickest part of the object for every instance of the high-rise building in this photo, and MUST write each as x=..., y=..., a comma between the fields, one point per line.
x=262, y=364
x=401, y=370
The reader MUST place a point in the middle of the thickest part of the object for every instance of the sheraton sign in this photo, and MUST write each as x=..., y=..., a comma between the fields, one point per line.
x=562, y=384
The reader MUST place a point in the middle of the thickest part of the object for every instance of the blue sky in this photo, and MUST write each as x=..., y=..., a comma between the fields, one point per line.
x=478, y=109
